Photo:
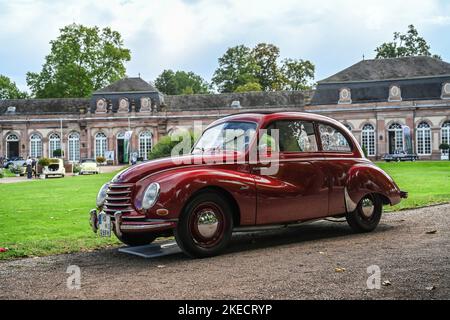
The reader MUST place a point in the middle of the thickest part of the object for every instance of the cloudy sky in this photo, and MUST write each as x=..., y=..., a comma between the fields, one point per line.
x=191, y=34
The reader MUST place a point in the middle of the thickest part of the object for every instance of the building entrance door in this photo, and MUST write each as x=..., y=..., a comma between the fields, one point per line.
x=120, y=150
x=12, y=146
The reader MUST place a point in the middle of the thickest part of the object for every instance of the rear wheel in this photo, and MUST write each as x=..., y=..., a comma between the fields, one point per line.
x=367, y=214
x=137, y=239
x=205, y=226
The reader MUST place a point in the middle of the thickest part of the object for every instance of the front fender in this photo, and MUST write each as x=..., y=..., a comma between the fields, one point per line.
x=178, y=185
x=368, y=178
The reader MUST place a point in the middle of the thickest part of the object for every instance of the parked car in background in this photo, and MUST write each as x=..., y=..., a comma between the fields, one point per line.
x=316, y=170
x=400, y=155
x=54, y=169
x=89, y=166
x=16, y=161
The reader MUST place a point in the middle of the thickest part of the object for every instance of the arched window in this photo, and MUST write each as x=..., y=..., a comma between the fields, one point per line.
x=395, y=137
x=368, y=139
x=74, y=147
x=145, y=144
x=12, y=138
x=423, y=139
x=100, y=144
x=35, y=146
x=54, y=143
x=445, y=135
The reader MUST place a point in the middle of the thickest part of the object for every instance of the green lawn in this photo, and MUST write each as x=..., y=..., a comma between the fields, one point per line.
x=43, y=217
x=428, y=182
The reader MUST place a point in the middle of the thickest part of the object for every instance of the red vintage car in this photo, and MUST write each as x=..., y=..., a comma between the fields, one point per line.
x=246, y=172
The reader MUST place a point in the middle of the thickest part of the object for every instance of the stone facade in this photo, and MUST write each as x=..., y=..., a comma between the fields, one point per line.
x=413, y=92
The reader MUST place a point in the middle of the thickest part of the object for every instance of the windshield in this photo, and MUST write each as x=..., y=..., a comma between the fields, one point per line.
x=88, y=161
x=228, y=136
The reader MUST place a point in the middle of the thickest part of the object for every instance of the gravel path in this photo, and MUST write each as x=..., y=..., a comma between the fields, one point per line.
x=291, y=264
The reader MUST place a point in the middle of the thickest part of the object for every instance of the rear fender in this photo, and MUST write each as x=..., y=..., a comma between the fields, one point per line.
x=364, y=179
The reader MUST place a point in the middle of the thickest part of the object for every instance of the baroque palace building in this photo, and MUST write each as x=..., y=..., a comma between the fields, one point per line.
x=375, y=99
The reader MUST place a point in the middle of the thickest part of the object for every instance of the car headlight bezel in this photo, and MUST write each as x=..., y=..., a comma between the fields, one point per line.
x=151, y=195
x=101, y=195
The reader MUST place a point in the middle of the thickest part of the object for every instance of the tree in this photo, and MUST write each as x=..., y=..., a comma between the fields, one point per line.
x=405, y=45
x=249, y=87
x=237, y=67
x=268, y=73
x=181, y=82
x=165, y=145
x=9, y=90
x=242, y=69
x=298, y=74
x=81, y=60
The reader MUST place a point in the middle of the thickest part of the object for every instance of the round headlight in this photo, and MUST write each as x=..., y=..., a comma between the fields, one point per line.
x=151, y=195
x=101, y=196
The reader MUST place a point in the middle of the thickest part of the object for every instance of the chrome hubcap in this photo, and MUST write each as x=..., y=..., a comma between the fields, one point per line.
x=207, y=224
x=367, y=207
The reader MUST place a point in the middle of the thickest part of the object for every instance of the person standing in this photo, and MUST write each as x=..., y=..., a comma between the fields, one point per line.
x=29, y=164
x=34, y=167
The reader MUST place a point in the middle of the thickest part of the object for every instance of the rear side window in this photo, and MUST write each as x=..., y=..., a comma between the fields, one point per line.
x=333, y=140
x=295, y=136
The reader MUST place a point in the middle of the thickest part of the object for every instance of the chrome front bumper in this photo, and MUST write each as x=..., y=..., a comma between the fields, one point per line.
x=121, y=226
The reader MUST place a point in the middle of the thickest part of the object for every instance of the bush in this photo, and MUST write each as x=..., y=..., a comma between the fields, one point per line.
x=364, y=151
x=44, y=162
x=15, y=169
x=165, y=145
x=76, y=168
x=100, y=159
x=2, y=173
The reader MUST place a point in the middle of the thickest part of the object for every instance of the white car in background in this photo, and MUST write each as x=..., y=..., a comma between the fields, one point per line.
x=89, y=166
x=54, y=169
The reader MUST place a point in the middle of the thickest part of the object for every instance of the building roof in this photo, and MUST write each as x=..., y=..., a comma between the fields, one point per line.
x=248, y=100
x=128, y=85
x=391, y=69
x=44, y=106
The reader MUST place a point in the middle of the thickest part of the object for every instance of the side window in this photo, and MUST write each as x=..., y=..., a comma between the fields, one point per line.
x=295, y=136
x=333, y=140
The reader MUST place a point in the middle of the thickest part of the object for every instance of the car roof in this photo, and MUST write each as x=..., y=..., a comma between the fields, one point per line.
x=267, y=116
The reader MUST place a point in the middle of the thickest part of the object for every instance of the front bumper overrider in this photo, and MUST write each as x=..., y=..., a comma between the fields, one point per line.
x=122, y=225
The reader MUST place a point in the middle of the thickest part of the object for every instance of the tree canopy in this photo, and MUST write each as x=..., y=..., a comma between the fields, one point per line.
x=9, y=90
x=181, y=82
x=405, y=45
x=82, y=59
x=241, y=69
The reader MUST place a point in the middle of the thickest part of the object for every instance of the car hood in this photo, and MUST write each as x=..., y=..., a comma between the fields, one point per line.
x=135, y=173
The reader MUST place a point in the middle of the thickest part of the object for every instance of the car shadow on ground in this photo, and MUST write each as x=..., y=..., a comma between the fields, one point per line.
x=248, y=242
x=303, y=234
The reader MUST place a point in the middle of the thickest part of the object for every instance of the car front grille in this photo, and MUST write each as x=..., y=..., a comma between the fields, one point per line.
x=118, y=198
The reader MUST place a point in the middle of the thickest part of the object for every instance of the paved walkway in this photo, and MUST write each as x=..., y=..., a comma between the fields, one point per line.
x=322, y=260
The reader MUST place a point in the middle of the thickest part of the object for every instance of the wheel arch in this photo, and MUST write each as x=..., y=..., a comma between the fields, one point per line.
x=223, y=192
x=369, y=179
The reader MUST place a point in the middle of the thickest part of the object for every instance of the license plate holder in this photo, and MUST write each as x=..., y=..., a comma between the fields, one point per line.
x=104, y=225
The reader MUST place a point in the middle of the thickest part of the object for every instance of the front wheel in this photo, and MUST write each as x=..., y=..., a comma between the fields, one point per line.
x=137, y=239
x=205, y=226
x=367, y=214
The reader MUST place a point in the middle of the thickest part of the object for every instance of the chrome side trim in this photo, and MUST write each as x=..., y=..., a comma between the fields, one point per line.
x=143, y=227
x=350, y=205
